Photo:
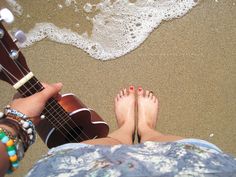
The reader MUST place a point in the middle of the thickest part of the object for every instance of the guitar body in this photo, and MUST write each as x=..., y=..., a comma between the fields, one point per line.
x=84, y=124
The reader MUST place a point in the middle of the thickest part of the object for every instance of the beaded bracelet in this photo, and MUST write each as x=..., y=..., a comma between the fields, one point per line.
x=13, y=137
x=21, y=142
x=12, y=112
x=11, y=149
x=24, y=122
x=28, y=127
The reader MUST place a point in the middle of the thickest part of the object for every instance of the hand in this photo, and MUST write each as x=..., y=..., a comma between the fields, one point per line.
x=33, y=105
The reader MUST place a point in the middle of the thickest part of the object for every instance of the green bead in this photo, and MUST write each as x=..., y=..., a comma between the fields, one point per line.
x=2, y=134
x=10, y=148
x=15, y=162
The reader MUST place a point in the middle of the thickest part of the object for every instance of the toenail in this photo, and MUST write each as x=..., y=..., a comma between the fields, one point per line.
x=131, y=87
x=140, y=89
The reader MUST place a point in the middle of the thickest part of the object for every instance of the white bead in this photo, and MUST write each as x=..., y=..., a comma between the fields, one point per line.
x=30, y=137
x=29, y=131
x=22, y=121
x=1, y=114
x=25, y=124
x=42, y=116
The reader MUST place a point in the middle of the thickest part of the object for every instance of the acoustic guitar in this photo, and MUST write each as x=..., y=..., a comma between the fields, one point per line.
x=64, y=121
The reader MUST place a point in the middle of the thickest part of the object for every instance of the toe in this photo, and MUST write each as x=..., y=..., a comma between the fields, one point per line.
x=117, y=97
x=131, y=89
x=155, y=100
x=140, y=91
x=122, y=93
x=125, y=92
x=151, y=96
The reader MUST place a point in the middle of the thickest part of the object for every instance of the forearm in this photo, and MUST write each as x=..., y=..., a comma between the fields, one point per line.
x=4, y=160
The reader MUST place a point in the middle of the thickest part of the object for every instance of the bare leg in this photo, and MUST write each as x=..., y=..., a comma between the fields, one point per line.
x=147, y=118
x=124, y=110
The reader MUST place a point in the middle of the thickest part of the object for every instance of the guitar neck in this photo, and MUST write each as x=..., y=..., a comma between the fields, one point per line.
x=30, y=87
x=53, y=111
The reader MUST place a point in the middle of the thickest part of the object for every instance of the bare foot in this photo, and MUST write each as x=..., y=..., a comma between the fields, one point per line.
x=147, y=111
x=125, y=110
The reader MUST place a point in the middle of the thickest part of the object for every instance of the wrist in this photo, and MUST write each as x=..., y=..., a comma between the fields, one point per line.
x=19, y=125
x=17, y=132
x=12, y=112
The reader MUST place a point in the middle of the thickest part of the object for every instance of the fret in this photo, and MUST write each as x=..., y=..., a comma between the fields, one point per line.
x=59, y=112
x=56, y=123
x=56, y=108
x=55, y=113
x=31, y=87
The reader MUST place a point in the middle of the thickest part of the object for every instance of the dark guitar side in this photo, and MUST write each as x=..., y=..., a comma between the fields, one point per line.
x=81, y=118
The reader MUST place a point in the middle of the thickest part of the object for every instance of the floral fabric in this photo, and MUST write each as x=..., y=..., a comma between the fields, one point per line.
x=147, y=159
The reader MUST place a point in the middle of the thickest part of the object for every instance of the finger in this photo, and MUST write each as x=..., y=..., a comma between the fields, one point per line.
x=49, y=91
x=57, y=96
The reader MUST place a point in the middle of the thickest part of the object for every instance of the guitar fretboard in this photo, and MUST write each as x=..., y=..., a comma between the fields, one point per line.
x=31, y=87
x=53, y=111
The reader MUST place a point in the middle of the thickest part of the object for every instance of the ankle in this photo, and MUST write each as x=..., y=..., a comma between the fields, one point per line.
x=127, y=129
x=147, y=133
x=124, y=135
x=144, y=129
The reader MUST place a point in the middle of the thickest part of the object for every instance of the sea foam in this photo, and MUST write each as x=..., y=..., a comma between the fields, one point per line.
x=119, y=26
x=15, y=7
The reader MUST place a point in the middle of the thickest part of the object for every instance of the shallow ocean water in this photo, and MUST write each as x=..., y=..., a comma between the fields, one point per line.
x=117, y=27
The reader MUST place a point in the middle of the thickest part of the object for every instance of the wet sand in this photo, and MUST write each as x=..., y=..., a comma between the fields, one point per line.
x=190, y=63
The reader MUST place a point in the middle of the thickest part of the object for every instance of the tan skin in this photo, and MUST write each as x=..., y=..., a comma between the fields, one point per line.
x=125, y=106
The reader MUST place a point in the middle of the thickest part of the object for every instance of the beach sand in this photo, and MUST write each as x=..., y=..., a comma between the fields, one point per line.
x=190, y=63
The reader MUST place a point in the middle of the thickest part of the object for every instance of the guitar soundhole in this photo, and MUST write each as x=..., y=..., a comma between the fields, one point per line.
x=75, y=134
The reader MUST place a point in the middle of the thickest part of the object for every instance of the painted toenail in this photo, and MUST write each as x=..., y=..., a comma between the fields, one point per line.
x=140, y=89
x=131, y=87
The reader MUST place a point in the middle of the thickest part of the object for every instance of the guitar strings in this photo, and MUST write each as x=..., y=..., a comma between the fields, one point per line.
x=64, y=112
x=31, y=93
x=5, y=71
x=5, y=48
x=67, y=116
x=16, y=63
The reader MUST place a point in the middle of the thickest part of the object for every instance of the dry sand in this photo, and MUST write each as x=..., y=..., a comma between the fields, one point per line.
x=190, y=63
